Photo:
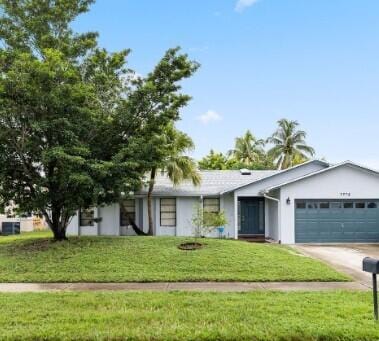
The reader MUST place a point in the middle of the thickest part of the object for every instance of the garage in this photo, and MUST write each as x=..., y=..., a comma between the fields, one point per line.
x=337, y=221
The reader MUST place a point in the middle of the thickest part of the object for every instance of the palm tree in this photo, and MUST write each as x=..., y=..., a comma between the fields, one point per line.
x=289, y=145
x=176, y=164
x=247, y=149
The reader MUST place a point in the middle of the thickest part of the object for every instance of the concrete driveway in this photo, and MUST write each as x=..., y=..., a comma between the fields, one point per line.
x=343, y=257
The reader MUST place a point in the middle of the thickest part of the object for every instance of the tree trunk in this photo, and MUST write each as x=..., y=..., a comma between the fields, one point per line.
x=149, y=201
x=136, y=229
x=57, y=222
x=59, y=234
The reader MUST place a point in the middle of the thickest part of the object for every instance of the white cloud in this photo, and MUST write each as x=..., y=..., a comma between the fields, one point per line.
x=243, y=4
x=209, y=116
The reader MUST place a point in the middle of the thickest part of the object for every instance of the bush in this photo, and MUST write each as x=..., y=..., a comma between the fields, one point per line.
x=205, y=222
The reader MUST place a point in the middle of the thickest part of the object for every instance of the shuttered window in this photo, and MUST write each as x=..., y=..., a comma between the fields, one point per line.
x=168, y=212
x=127, y=212
x=211, y=205
x=86, y=217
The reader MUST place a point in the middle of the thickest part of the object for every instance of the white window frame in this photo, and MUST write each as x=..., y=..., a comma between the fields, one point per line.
x=134, y=213
x=161, y=220
x=211, y=198
x=91, y=220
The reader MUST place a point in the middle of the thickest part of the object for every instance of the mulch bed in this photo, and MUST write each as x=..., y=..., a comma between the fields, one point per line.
x=190, y=246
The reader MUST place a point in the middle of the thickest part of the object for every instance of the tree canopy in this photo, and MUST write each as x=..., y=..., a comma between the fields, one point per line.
x=75, y=124
x=174, y=162
x=289, y=149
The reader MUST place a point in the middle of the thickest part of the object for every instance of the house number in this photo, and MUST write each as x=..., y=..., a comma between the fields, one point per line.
x=345, y=194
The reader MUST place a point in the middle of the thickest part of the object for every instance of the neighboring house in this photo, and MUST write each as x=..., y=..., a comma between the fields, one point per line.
x=313, y=202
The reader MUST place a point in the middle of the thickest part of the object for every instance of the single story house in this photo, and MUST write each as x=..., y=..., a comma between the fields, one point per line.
x=314, y=202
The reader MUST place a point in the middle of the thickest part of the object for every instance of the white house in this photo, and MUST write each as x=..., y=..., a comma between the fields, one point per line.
x=311, y=203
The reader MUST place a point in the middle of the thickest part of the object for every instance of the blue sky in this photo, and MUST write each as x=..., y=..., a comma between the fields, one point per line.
x=315, y=61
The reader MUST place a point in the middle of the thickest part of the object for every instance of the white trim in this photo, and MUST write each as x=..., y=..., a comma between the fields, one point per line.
x=235, y=216
x=279, y=217
x=345, y=163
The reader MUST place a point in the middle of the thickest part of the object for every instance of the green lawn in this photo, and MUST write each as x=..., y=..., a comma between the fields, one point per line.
x=193, y=316
x=34, y=257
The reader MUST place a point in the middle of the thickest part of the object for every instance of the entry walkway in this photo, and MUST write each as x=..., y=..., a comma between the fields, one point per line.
x=183, y=286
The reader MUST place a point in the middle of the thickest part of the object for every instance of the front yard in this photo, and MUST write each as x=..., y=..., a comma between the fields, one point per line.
x=191, y=316
x=34, y=257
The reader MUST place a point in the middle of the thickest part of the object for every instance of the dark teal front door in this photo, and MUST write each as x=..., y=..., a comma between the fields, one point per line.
x=252, y=216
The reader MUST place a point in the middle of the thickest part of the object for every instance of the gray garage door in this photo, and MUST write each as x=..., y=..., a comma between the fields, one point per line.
x=340, y=221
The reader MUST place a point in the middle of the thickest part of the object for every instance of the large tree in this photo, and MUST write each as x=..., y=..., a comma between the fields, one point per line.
x=289, y=143
x=247, y=149
x=173, y=162
x=214, y=161
x=73, y=121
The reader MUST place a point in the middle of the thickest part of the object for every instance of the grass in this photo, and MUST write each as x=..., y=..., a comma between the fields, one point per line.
x=34, y=257
x=190, y=316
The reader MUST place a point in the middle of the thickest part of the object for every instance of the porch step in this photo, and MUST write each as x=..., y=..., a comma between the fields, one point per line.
x=253, y=239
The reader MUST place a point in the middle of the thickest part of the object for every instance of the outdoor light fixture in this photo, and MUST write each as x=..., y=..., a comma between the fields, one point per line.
x=288, y=201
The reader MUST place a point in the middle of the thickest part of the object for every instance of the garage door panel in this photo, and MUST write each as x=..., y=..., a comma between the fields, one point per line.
x=321, y=221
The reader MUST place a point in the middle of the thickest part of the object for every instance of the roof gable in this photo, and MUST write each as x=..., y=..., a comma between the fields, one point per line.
x=342, y=164
x=285, y=172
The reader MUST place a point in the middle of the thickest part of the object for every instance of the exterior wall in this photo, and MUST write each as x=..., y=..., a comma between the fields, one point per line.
x=272, y=219
x=227, y=204
x=345, y=182
x=73, y=226
x=184, y=212
x=108, y=226
x=110, y=223
x=165, y=230
x=255, y=189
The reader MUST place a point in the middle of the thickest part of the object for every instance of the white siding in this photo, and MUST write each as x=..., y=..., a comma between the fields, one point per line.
x=331, y=184
x=73, y=226
x=228, y=207
x=184, y=212
x=272, y=226
x=110, y=220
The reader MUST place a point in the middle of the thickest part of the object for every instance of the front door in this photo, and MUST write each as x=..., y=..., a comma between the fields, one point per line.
x=252, y=216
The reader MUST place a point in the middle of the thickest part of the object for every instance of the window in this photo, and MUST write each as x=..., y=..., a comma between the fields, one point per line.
x=324, y=205
x=359, y=205
x=300, y=205
x=335, y=205
x=372, y=205
x=312, y=205
x=127, y=212
x=211, y=205
x=348, y=205
x=86, y=217
x=168, y=212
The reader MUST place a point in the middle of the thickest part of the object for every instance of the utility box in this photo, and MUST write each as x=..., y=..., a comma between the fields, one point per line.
x=10, y=227
x=371, y=265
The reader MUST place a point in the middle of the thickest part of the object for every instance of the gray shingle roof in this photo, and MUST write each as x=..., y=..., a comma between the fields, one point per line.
x=213, y=183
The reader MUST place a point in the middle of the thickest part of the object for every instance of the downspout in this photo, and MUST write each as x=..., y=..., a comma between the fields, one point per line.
x=279, y=215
